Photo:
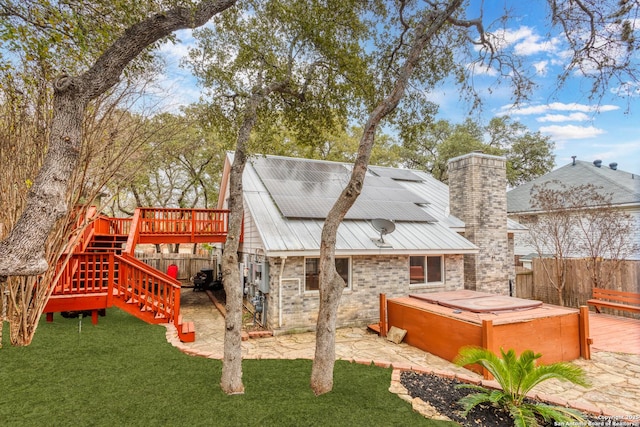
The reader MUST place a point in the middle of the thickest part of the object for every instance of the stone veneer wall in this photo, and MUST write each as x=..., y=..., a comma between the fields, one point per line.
x=359, y=306
x=477, y=195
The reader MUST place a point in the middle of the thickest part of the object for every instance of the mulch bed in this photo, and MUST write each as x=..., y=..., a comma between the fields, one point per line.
x=443, y=395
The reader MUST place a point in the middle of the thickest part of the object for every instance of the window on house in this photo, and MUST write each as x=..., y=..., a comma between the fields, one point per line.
x=312, y=272
x=425, y=269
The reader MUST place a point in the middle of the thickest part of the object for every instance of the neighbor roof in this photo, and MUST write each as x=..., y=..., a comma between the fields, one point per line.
x=623, y=187
x=286, y=229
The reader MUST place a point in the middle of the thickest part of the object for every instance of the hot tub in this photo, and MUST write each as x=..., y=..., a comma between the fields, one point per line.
x=443, y=322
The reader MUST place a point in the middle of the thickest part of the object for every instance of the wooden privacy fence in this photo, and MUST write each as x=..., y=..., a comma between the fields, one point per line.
x=188, y=264
x=533, y=284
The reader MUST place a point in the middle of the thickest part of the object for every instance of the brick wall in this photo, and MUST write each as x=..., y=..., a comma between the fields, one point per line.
x=477, y=195
x=359, y=306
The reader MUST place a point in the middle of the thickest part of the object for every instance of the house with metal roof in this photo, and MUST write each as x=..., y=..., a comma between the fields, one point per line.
x=623, y=189
x=402, y=236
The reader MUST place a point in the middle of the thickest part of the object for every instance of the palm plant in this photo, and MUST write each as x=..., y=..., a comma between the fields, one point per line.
x=517, y=376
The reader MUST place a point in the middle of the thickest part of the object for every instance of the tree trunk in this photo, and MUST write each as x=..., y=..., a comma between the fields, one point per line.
x=331, y=284
x=3, y=306
x=231, y=381
x=22, y=252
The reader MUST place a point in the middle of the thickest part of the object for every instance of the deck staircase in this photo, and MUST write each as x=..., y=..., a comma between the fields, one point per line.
x=99, y=270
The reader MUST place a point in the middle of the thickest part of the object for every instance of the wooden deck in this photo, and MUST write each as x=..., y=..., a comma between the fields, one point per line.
x=609, y=333
x=614, y=333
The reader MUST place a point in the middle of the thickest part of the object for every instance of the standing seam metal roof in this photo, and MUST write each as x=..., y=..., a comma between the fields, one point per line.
x=281, y=235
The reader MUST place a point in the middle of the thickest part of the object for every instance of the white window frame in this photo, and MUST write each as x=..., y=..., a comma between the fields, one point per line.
x=425, y=282
x=349, y=272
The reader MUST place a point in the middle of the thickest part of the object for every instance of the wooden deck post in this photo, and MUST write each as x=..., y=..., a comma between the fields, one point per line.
x=585, y=340
x=487, y=343
x=383, y=315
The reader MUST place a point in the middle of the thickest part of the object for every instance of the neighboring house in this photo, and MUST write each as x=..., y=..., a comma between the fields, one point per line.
x=287, y=199
x=623, y=188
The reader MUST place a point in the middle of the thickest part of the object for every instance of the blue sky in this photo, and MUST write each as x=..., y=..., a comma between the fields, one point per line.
x=606, y=128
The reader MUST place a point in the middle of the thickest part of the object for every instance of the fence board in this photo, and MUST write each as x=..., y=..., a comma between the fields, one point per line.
x=188, y=264
x=577, y=291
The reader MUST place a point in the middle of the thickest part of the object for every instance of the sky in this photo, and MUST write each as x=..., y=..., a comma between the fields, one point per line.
x=605, y=129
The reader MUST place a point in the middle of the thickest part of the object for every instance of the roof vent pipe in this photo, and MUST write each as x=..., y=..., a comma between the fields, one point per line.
x=597, y=163
x=613, y=166
x=574, y=160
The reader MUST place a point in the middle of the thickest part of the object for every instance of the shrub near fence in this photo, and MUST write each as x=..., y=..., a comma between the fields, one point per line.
x=188, y=264
x=533, y=284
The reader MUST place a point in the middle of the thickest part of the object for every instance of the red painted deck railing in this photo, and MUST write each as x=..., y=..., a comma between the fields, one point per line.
x=167, y=225
x=145, y=289
x=184, y=222
x=85, y=273
x=112, y=226
x=102, y=278
x=126, y=281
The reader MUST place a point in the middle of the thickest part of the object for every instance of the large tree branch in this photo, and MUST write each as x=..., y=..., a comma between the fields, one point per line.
x=107, y=69
x=22, y=252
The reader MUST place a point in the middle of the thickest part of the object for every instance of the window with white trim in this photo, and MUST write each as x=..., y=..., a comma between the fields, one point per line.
x=425, y=269
x=312, y=272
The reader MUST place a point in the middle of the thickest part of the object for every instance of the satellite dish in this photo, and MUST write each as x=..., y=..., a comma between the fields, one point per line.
x=384, y=226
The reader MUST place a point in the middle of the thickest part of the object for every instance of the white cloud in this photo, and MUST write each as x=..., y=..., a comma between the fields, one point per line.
x=556, y=106
x=542, y=67
x=524, y=41
x=534, y=45
x=479, y=69
x=571, y=132
x=628, y=89
x=573, y=117
x=174, y=52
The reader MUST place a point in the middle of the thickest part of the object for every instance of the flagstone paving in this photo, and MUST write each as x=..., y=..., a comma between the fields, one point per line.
x=615, y=377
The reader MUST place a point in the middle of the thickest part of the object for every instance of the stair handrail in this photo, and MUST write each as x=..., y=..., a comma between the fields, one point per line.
x=78, y=242
x=166, y=302
x=134, y=234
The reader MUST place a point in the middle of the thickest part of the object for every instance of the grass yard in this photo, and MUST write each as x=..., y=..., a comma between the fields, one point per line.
x=122, y=372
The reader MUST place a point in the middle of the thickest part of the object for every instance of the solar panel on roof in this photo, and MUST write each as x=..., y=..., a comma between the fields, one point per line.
x=308, y=189
x=397, y=174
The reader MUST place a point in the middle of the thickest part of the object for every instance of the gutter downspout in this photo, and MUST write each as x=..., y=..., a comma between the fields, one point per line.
x=283, y=258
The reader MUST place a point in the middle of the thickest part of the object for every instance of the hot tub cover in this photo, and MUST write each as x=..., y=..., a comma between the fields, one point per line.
x=477, y=302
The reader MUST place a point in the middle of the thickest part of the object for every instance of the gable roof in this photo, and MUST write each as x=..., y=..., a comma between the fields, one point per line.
x=624, y=187
x=276, y=202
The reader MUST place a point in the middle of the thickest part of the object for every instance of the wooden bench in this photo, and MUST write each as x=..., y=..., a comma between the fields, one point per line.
x=618, y=300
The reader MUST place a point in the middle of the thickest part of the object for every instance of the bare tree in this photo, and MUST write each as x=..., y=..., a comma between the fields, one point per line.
x=109, y=136
x=552, y=233
x=606, y=236
x=579, y=222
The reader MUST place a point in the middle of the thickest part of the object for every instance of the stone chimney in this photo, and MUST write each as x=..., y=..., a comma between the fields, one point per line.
x=478, y=196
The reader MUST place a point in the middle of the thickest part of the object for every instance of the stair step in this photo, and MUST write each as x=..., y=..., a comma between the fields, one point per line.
x=187, y=332
x=188, y=327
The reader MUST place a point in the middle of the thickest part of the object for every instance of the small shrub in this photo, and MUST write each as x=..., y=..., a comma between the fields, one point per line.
x=517, y=376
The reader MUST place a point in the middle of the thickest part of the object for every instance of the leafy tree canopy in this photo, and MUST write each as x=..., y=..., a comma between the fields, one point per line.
x=429, y=146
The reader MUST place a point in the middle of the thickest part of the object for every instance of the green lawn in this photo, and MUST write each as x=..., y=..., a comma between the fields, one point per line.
x=122, y=372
